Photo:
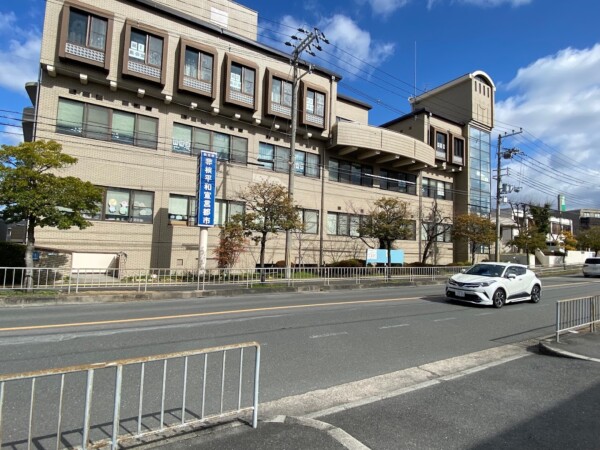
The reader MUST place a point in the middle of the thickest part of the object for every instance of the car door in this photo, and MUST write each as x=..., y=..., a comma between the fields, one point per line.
x=516, y=286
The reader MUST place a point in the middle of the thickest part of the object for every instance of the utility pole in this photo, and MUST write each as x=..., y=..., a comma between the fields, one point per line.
x=508, y=154
x=305, y=44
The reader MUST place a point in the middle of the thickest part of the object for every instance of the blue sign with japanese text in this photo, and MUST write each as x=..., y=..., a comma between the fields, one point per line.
x=207, y=174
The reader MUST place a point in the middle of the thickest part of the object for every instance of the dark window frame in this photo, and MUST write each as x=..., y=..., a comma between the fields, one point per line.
x=430, y=189
x=403, y=185
x=302, y=212
x=228, y=211
x=149, y=31
x=64, y=35
x=458, y=159
x=304, y=117
x=346, y=172
x=201, y=49
x=129, y=216
x=278, y=109
x=231, y=60
x=189, y=219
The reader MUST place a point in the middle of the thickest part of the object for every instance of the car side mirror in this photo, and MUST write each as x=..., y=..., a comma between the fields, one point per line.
x=511, y=276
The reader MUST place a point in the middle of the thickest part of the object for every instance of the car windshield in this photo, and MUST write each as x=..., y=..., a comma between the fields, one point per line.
x=486, y=270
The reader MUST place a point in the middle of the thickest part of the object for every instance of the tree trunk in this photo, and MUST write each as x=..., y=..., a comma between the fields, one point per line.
x=263, y=244
x=426, y=251
x=388, y=245
x=29, y=248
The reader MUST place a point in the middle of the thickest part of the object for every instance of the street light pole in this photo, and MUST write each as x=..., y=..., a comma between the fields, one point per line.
x=510, y=154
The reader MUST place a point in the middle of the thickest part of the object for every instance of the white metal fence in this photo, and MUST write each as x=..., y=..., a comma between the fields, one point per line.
x=100, y=405
x=577, y=313
x=65, y=280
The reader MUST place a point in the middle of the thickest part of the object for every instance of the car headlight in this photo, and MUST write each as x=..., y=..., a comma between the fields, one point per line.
x=451, y=281
x=487, y=283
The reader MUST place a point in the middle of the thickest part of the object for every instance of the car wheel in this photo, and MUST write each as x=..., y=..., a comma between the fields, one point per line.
x=536, y=294
x=499, y=298
x=586, y=275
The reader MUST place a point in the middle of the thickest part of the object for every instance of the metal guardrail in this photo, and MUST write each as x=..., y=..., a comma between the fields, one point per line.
x=577, y=313
x=189, y=391
x=16, y=278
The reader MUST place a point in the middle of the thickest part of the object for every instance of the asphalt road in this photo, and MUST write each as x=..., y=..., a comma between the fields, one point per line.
x=309, y=340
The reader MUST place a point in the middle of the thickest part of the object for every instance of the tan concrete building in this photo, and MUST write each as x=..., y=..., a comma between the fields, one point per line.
x=135, y=89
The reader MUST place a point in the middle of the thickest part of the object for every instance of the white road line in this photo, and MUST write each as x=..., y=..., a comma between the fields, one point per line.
x=316, y=336
x=447, y=318
x=394, y=326
x=484, y=314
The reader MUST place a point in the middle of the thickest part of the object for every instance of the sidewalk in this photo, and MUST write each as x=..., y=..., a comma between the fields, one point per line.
x=527, y=400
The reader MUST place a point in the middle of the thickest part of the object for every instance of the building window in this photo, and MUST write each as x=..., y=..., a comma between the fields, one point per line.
x=226, y=209
x=398, y=182
x=145, y=52
x=86, y=35
x=310, y=220
x=191, y=140
x=314, y=112
x=125, y=205
x=458, y=151
x=441, y=142
x=306, y=164
x=342, y=224
x=197, y=68
x=182, y=210
x=352, y=173
x=443, y=232
x=281, y=96
x=274, y=158
x=240, y=88
x=98, y=122
x=437, y=189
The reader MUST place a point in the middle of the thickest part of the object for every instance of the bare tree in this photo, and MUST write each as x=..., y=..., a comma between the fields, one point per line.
x=435, y=223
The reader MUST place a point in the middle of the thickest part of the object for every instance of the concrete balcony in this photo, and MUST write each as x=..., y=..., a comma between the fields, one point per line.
x=380, y=146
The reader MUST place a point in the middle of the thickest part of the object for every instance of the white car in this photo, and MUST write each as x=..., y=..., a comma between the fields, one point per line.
x=591, y=267
x=495, y=284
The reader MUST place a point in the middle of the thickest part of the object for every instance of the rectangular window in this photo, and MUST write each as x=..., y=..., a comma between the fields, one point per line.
x=146, y=48
x=398, y=182
x=342, y=224
x=125, y=205
x=87, y=30
x=147, y=132
x=191, y=141
x=198, y=65
x=70, y=117
x=458, y=152
x=310, y=220
x=241, y=79
x=281, y=92
x=352, y=173
x=437, y=189
x=123, y=127
x=441, y=141
x=98, y=122
x=315, y=103
x=226, y=209
x=182, y=209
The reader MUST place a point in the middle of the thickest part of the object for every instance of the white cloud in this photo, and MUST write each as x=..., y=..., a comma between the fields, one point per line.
x=557, y=99
x=386, y=7
x=20, y=63
x=351, y=48
x=7, y=21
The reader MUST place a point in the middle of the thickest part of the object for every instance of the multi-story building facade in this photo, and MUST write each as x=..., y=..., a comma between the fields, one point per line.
x=136, y=89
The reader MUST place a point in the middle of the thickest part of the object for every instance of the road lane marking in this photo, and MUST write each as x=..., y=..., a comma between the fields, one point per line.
x=394, y=326
x=484, y=314
x=317, y=336
x=206, y=314
x=446, y=318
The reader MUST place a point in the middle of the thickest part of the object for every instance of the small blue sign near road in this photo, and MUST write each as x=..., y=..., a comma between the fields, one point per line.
x=207, y=174
x=379, y=256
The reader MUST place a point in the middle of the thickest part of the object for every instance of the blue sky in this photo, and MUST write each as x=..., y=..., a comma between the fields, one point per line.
x=543, y=55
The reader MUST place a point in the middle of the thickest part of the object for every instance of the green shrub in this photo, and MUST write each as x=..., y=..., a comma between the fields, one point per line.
x=348, y=263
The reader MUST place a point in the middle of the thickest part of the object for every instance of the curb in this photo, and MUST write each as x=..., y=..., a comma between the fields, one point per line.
x=128, y=296
x=546, y=348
